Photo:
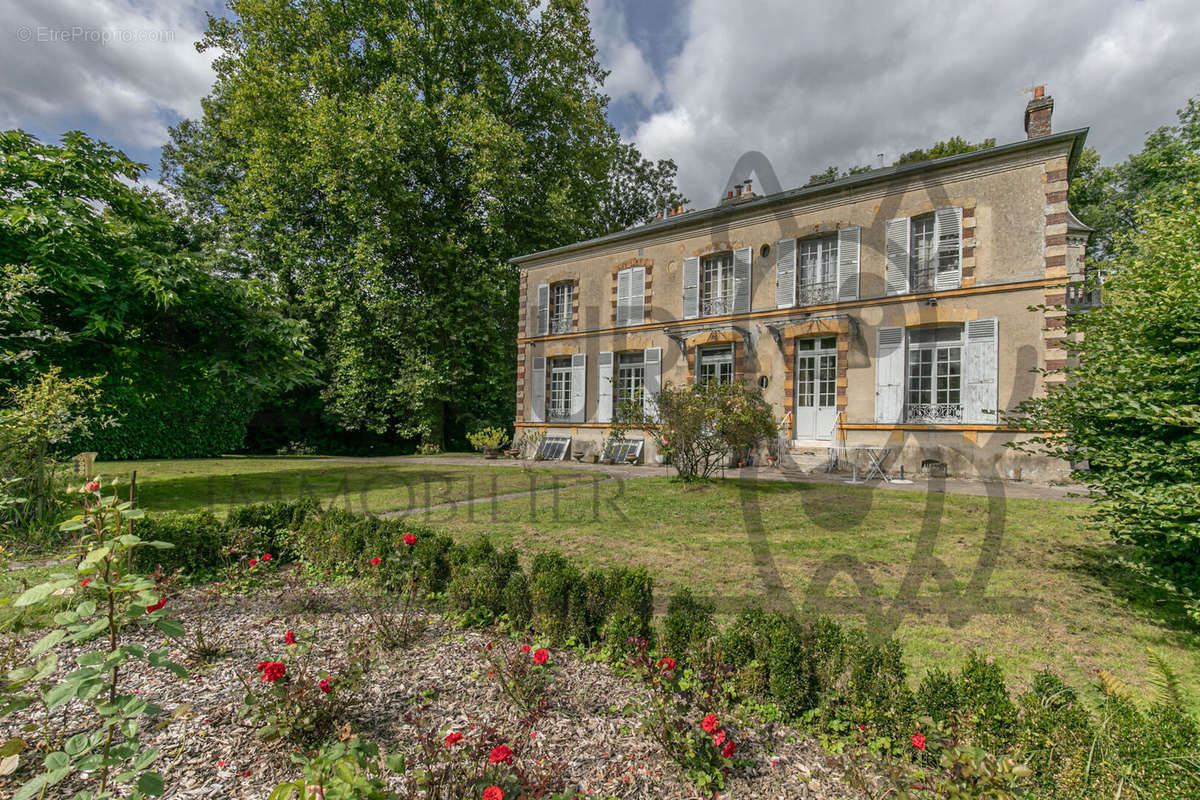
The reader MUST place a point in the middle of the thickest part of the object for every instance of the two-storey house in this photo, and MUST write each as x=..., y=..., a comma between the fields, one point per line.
x=904, y=308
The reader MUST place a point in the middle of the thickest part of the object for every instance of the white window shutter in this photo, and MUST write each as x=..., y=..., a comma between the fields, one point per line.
x=980, y=372
x=691, y=288
x=537, y=390
x=849, y=242
x=743, y=258
x=897, y=256
x=785, y=273
x=948, y=235
x=637, y=296
x=604, y=387
x=889, y=375
x=622, y=298
x=578, y=387
x=652, y=382
x=543, y=309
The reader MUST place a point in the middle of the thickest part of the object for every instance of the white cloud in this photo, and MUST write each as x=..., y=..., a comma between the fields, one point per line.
x=815, y=83
x=631, y=75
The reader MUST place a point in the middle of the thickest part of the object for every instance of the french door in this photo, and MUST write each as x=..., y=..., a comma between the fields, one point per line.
x=816, y=388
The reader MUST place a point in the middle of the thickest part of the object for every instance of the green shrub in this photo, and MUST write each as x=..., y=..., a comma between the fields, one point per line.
x=1055, y=731
x=688, y=626
x=554, y=582
x=792, y=677
x=742, y=647
x=200, y=543
x=939, y=695
x=630, y=595
x=273, y=524
x=877, y=690
x=984, y=699
x=432, y=555
x=479, y=575
x=518, y=602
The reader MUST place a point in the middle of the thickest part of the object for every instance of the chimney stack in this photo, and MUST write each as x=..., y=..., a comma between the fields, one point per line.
x=1037, y=114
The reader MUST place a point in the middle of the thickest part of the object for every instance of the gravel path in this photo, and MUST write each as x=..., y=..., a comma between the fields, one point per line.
x=589, y=733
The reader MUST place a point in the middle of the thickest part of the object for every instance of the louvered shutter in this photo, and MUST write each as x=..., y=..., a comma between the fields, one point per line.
x=849, y=242
x=742, y=260
x=897, y=256
x=785, y=273
x=979, y=406
x=578, y=387
x=652, y=382
x=691, y=288
x=889, y=375
x=623, y=298
x=543, y=309
x=948, y=233
x=537, y=390
x=604, y=387
x=637, y=296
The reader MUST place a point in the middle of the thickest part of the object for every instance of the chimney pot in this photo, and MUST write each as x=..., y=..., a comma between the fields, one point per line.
x=1038, y=91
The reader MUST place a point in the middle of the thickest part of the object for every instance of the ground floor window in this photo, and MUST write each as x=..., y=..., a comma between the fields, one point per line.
x=631, y=378
x=560, y=390
x=715, y=364
x=934, y=376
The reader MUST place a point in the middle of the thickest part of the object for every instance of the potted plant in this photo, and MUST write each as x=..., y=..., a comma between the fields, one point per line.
x=488, y=441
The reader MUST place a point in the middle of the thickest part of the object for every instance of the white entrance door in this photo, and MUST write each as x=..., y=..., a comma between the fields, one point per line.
x=816, y=388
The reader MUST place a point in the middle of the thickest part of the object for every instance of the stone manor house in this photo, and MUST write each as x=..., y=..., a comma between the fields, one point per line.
x=902, y=309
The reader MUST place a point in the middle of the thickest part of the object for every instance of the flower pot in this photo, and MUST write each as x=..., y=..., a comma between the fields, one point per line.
x=660, y=459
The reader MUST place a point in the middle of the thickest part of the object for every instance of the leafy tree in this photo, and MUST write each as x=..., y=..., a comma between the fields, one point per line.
x=103, y=285
x=951, y=147
x=380, y=163
x=1130, y=407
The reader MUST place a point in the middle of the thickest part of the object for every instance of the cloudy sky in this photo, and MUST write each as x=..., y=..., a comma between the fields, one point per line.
x=702, y=81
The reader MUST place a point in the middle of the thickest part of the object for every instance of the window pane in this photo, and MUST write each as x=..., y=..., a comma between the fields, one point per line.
x=922, y=253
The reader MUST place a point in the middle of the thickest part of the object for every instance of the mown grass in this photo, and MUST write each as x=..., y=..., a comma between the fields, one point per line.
x=364, y=486
x=1049, y=600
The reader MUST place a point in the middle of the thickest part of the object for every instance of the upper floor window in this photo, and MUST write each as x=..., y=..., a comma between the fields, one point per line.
x=716, y=284
x=631, y=378
x=935, y=368
x=924, y=253
x=817, y=279
x=559, y=407
x=715, y=364
x=561, y=309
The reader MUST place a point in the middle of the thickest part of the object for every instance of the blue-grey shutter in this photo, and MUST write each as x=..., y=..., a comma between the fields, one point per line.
x=543, y=309
x=785, y=273
x=652, y=382
x=897, y=256
x=579, y=387
x=849, y=241
x=604, y=386
x=623, y=298
x=537, y=390
x=743, y=258
x=948, y=235
x=691, y=288
x=636, y=313
x=979, y=406
x=889, y=375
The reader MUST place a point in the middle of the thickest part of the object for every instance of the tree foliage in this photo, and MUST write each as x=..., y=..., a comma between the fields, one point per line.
x=101, y=282
x=381, y=163
x=953, y=146
x=1130, y=408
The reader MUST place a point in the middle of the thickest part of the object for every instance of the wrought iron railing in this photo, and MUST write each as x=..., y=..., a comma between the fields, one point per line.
x=716, y=306
x=560, y=324
x=1082, y=295
x=933, y=413
x=815, y=294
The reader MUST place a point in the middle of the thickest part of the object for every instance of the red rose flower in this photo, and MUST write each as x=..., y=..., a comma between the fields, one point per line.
x=666, y=664
x=730, y=749
x=253, y=561
x=266, y=557
x=718, y=738
x=525, y=648
x=325, y=685
x=493, y=793
x=162, y=601
x=709, y=723
x=92, y=486
x=918, y=741
x=501, y=755
x=453, y=739
x=289, y=637
x=376, y=561
x=85, y=582
x=410, y=539
x=541, y=656
x=271, y=670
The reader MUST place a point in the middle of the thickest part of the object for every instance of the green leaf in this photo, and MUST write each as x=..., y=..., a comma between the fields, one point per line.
x=146, y=758
x=57, y=760
x=46, y=642
x=96, y=555
x=59, y=694
x=32, y=787
x=170, y=627
x=36, y=594
x=151, y=783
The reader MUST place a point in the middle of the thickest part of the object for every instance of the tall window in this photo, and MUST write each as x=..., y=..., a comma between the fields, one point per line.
x=560, y=390
x=631, y=378
x=716, y=284
x=715, y=364
x=934, y=374
x=816, y=281
x=561, y=311
x=922, y=254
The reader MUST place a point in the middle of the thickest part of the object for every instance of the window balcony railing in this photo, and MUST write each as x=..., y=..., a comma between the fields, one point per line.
x=933, y=413
x=815, y=294
x=716, y=306
x=558, y=415
x=1082, y=295
x=560, y=324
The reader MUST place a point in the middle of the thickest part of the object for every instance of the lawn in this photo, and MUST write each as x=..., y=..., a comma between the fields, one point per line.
x=216, y=484
x=1049, y=601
